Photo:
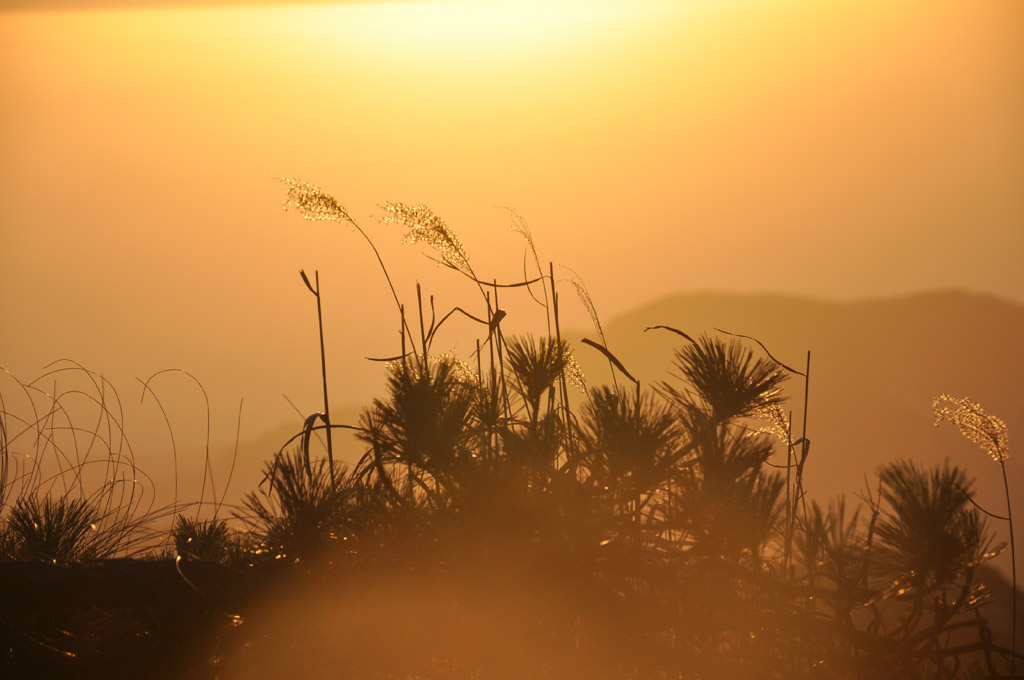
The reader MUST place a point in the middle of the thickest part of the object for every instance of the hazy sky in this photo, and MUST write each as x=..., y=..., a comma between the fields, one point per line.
x=847, y=148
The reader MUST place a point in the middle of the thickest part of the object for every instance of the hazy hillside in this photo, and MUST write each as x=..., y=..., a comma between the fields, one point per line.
x=875, y=366
x=252, y=454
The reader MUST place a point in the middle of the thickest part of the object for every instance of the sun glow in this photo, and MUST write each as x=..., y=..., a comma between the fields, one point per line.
x=475, y=30
x=489, y=25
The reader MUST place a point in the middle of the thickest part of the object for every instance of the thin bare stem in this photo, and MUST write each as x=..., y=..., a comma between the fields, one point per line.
x=1013, y=559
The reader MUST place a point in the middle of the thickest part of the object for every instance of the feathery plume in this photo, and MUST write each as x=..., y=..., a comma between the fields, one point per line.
x=520, y=226
x=574, y=374
x=588, y=302
x=312, y=202
x=778, y=424
x=988, y=432
x=461, y=372
x=425, y=226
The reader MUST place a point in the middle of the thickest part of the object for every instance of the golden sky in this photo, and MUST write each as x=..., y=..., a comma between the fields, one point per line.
x=846, y=149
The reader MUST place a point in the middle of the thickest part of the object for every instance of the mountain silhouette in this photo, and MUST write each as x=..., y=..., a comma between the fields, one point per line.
x=875, y=367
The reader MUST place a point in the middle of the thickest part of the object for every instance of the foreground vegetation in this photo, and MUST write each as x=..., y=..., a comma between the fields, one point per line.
x=506, y=521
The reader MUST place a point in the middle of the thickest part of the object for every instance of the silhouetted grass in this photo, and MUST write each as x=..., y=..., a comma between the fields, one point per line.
x=990, y=433
x=73, y=498
x=495, y=527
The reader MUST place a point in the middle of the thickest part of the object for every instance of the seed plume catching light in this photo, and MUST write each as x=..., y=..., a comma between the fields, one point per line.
x=425, y=226
x=313, y=203
x=574, y=374
x=778, y=425
x=988, y=432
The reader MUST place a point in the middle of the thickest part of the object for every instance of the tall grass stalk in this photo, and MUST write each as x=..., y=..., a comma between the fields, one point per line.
x=991, y=435
x=1013, y=554
x=570, y=444
x=521, y=227
x=323, y=364
x=314, y=204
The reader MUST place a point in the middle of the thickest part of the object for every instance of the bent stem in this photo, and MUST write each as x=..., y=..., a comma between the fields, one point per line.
x=1013, y=560
x=323, y=373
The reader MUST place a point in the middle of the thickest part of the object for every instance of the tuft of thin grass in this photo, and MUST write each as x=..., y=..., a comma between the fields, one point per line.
x=67, y=456
x=301, y=512
x=631, y=444
x=424, y=422
x=206, y=540
x=931, y=535
x=727, y=381
x=67, y=450
x=535, y=366
x=58, y=530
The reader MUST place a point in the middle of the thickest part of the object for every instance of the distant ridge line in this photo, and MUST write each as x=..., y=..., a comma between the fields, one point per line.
x=950, y=295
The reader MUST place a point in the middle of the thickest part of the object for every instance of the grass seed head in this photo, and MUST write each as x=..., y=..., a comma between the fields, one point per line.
x=520, y=226
x=988, y=432
x=778, y=424
x=574, y=374
x=425, y=226
x=461, y=371
x=312, y=202
x=588, y=302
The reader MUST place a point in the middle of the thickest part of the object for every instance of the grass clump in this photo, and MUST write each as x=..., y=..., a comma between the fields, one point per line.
x=57, y=530
x=498, y=525
x=207, y=540
x=301, y=512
